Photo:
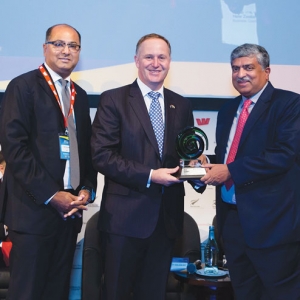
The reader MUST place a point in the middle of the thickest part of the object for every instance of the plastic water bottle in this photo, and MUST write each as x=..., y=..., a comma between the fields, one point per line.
x=211, y=253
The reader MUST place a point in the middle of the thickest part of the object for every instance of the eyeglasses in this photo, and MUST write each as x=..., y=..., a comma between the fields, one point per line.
x=60, y=45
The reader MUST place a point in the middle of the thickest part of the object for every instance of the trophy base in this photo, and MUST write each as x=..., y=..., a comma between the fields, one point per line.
x=191, y=169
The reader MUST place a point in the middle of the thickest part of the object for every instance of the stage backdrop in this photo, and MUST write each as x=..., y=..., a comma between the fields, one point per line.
x=202, y=34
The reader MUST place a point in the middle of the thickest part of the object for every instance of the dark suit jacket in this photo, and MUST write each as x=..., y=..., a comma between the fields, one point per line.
x=266, y=170
x=124, y=149
x=31, y=120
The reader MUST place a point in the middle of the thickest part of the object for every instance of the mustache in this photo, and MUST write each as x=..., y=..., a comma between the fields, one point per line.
x=243, y=79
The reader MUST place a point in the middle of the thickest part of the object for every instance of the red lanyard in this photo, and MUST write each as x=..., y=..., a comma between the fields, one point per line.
x=52, y=87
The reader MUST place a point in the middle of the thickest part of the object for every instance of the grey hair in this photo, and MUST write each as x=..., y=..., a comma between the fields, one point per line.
x=151, y=36
x=248, y=50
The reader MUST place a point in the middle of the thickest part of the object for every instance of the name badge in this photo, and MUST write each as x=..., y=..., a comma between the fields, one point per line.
x=64, y=146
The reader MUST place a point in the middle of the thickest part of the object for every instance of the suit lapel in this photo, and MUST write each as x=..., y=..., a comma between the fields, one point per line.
x=44, y=85
x=261, y=105
x=79, y=119
x=137, y=102
x=170, y=118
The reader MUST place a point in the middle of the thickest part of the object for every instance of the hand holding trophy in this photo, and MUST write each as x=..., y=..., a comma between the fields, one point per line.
x=189, y=146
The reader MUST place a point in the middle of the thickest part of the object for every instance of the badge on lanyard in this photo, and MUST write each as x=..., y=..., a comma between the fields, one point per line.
x=64, y=142
x=64, y=146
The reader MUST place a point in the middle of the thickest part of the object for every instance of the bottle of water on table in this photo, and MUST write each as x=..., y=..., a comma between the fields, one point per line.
x=211, y=253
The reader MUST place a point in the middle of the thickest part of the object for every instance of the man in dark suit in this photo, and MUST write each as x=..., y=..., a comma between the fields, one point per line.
x=141, y=212
x=258, y=195
x=42, y=203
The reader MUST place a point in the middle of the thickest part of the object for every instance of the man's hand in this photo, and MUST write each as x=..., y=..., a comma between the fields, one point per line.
x=203, y=159
x=85, y=197
x=61, y=201
x=215, y=174
x=164, y=176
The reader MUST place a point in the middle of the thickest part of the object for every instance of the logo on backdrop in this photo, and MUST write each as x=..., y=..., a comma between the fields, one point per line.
x=202, y=121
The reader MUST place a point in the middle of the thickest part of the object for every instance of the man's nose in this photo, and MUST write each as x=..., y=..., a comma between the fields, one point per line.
x=66, y=49
x=155, y=62
x=241, y=73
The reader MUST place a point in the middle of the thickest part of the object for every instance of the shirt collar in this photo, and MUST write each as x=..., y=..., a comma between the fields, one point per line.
x=145, y=89
x=55, y=77
x=256, y=96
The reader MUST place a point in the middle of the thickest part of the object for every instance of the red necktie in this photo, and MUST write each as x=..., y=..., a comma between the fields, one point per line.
x=237, y=136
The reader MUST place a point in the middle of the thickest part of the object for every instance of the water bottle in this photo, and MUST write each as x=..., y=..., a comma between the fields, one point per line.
x=211, y=253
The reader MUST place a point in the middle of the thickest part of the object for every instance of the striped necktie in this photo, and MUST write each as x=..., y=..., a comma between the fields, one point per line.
x=237, y=136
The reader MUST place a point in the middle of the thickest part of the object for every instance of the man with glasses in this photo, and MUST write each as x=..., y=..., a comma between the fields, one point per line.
x=45, y=133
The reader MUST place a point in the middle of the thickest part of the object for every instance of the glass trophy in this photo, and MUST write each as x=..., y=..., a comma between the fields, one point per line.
x=190, y=144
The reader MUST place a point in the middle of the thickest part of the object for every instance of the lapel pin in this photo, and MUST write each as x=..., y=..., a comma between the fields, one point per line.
x=172, y=106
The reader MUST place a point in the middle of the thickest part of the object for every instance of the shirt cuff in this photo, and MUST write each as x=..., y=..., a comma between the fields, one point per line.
x=46, y=202
x=149, y=179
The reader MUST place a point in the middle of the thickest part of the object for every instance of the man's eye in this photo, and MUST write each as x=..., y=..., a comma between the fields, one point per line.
x=58, y=44
x=73, y=46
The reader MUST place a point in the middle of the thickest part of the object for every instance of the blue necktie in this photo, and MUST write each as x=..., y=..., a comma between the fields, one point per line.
x=156, y=118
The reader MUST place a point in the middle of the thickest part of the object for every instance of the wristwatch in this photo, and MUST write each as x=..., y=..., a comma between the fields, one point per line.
x=92, y=194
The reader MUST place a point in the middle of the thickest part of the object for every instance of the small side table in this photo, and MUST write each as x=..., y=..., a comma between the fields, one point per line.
x=206, y=288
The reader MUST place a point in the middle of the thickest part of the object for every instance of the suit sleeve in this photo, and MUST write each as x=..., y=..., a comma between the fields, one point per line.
x=109, y=144
x=17, y=122
x=88, y=175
